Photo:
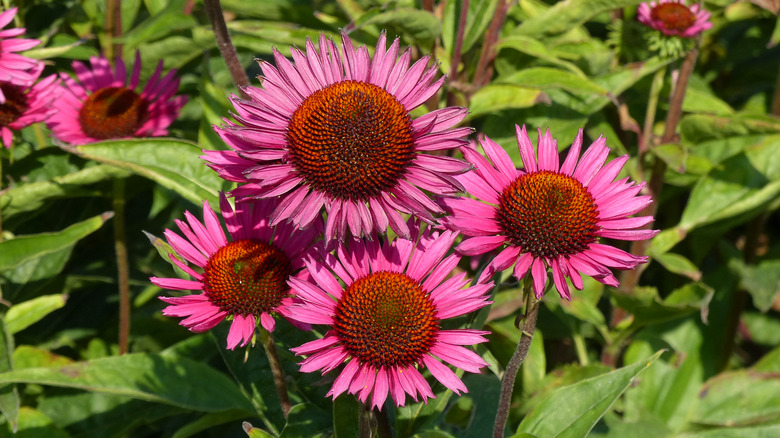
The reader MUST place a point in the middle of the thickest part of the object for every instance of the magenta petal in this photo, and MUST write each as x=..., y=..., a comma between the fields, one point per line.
x=443, y=374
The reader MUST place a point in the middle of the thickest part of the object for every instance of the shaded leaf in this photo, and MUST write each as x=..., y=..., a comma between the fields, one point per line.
x=22, y=315
x=493, y=98
x=762, y=281
x=17, y=251
x=149, y=377
x=307, y=420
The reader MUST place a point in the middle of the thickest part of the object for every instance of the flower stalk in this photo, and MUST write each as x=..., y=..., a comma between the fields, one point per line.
x=122, y=265
x=214, y=12
x=510, y=374
x=276, y=369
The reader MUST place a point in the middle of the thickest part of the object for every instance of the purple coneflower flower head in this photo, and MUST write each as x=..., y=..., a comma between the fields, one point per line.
x=243, y=279
x=100, y=104
x=332, y=131
x=674, y=18
x=16, y=69
x=25, y=105
x=385, y=303
x=549, y=215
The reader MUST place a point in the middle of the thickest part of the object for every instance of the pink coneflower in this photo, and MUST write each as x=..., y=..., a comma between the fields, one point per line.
x=673, y=18
x=245, y=278
x=25, y=105
x=100, y=105
x=14, y=68
x=386, y=317
x=548, y=215
x=333, y=131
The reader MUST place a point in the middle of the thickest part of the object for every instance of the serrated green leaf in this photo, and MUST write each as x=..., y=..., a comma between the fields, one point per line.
x=173, y=163
x=22, y=315
x=422, y=26
x=572, y=411
x=699, y=101
x=150, y=377
x=17, y=251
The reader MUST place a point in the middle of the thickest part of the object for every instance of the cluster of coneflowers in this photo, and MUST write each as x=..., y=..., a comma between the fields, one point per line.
x=347, y=209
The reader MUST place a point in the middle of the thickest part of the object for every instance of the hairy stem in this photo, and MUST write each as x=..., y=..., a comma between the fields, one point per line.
x=652, y=105
x=214, y=11
x=113, y=49
x=485, y=64
x=508, y=382
x=383, y=429
x=364, y=421
x=276, y=370
x=455, y=61
x=122, y=265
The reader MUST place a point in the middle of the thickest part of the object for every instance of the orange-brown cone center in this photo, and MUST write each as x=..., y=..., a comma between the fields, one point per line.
x=114, y=112
x=386, y=319
x=247, y=277
x=351, y=140
x=675, y=16
x=548, y=214
x=15, y=104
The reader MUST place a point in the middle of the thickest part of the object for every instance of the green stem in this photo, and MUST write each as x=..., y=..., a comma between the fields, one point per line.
x=484, y=69
x=364, y=421
x=123, y=269
x=455, y=61
x=508, y=382
x=652, y=105
x=579, y=347
x=113, y=50
x=276, y=370
x=383, y=429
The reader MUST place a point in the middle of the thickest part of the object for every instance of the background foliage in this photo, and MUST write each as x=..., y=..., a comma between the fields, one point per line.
x=697, y=356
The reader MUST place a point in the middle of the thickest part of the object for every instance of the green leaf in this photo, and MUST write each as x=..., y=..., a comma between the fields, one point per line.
x=210, y=420
x=215, y=106
x=493, y=98
x=764, y=431
x=346, y=415
x=176, y=381
x=572, y=411
x=565, y=15
x=167, y=21
x=647, y=308
x=33, y=423
x=9, y=395
x=546, y=77
x=421, y=25
x=698, y=128
x=762, y=281
x=253, y=432
x=17, y=251
x=742, y=184
x=678, y=264
x=537, y=49
x=307, y=420
x=699, y=101
x=478, y=18
x=174, y=164
x=22, y=315
x=739, y=398
x=484, y=391
x=32, y=196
